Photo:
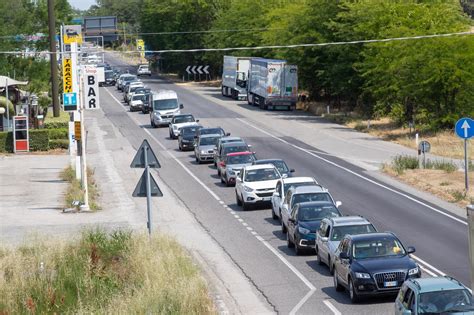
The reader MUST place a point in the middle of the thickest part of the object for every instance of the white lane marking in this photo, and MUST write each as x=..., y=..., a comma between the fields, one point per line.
x=302, y=301
x=428, y=265
x=332, y=307
x=265, y=243
x=354, y=173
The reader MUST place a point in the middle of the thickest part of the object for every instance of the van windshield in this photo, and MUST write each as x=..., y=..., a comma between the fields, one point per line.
x=165, y=104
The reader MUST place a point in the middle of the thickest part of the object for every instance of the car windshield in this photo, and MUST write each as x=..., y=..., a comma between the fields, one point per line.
x=189, y=130
x=238, y=148
x=138, y=97
x=183, y=119
x=129, y=78
x=339, y=231
x=287, y=186
x=383, y=247
x=209, y=131
x=322, y=196
x=280, y=165
x=317, y=212
x=165, y=104
x=208, y=141
x=240, y=159
x=447, y=301
x=261, y=175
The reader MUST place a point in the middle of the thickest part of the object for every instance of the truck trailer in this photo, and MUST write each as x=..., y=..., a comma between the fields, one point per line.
x=272, y=84
x=234, y=77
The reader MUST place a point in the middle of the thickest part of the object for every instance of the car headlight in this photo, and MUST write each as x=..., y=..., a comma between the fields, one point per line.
x=248, y=189
x=362, y=275
x=203, y=152
x=303, y=230
x=413, y=271
x=231, y=172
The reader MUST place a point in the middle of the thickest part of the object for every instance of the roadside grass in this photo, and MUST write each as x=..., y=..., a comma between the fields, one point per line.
x=63, y=116
x=441, y=178
x=102, y=273
x=74, y=191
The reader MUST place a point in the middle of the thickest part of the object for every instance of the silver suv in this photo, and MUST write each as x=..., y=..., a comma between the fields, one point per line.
x=332, y=230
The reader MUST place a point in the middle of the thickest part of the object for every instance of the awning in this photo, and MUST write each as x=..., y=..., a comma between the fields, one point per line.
x=4, y=79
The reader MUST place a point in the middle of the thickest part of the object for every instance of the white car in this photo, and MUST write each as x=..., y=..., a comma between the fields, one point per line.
x=179, y=121
x=282, y=187
x=256, y=184
x=143, y=70
x=136, y=103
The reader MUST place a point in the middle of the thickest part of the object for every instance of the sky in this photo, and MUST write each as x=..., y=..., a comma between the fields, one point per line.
x=81, y=4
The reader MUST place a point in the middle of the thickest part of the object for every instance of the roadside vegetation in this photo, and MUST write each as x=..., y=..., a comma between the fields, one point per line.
x=74, y=191
x=102, y=273
x=439, y=177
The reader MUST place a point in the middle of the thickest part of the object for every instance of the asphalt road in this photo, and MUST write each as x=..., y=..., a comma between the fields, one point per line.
x=254, y=240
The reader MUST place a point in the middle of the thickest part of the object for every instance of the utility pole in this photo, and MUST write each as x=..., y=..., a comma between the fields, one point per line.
x=53, y=58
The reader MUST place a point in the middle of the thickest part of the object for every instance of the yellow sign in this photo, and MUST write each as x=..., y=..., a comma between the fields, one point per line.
x=72, y=34
x=67, y=75
x=141, y=47
x=77, y=130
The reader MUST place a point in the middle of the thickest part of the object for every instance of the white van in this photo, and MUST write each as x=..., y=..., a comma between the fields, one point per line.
x=165, y=105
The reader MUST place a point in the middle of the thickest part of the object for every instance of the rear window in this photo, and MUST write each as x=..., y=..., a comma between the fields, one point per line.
x=240, y=159
x=298, y=198
x=232, y=149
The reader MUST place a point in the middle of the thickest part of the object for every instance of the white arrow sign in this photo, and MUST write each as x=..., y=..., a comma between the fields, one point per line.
x=465, y=126
x=187, y=69
x=205, y=69
x=193, y=69
x=199, y=70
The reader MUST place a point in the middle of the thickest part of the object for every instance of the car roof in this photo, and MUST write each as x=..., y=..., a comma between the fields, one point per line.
x=258, y=167
x=315, y=203
x=228, y=138
x=437, y=284
x=295, y=180
x=371, y=236
x=240, y=153
x=212, y=128
x=308, y=189
x=349, y=220
x=164, y=94
x=210, y=135
x=231, y=144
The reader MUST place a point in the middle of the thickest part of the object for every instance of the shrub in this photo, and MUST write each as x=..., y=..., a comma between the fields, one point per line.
x=6, y=142
x=446, y=166
x=58, y=144
x=56, y=125
x=39, y=140
x=403, y=162
x=61, y=133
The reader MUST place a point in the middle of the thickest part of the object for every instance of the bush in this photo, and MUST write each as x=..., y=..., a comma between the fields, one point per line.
x=6, y=142
x=58, y=144
x=446, y=166
x=39, y=140
x=403, y=162
x=61, y=133
x=56, y=125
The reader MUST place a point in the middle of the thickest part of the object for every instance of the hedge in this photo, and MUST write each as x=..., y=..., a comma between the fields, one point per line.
x=56, y=125
x=59, y=144
x=6, y=142
x=56, y=134
x=39, y=140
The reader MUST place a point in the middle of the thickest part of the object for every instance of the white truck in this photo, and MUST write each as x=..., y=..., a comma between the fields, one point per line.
x=272, y=84
x=101, y=75
x=234, y=77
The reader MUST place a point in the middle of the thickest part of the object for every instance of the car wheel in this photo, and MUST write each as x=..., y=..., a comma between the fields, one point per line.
x=318, y=256
x=222, y=180
x=283, y=227
x=218, y=172
x=352, y=292
x=289, y=243
x=152, y=124
x=180, y=147
x=245, y=206
x=337, y=286
x=237, y=200
x=274, y=216
x=298, y=250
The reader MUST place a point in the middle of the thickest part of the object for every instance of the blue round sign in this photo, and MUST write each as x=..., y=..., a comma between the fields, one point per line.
x=465, y=128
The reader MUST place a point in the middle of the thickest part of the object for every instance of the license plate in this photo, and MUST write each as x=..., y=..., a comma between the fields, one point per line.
x=267, y=198
x=389, y=284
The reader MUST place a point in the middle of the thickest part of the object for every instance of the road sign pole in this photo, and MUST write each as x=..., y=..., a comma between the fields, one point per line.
x=148, y=190
x=466, y=167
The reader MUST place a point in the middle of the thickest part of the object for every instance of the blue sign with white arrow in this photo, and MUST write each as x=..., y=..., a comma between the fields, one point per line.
x=465, y=128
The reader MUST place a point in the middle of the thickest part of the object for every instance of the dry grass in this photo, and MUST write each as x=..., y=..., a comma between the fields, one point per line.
x=448, y=186
x=75, y=192
x=102, y=273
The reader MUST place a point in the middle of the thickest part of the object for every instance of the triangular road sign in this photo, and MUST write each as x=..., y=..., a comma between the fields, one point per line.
x=139, y=159
x=140, y=190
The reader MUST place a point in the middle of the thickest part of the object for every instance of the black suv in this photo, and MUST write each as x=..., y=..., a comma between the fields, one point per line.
x=373, y=264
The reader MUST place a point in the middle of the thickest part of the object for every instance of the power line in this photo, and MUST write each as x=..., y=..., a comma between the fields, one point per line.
x=209, y=31
x=365, y=41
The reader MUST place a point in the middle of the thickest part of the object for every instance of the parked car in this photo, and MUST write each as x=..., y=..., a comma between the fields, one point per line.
x=373, y=264
x=232, y=164
x=165, y=105
x=179, y=121
x=136, y=103
x=281, y=166
x=143, y=70
x=305, y=220
x=255, y=185
x=109, y=77
x=282, y=187
x=299, y=194
x=223, y=140
x=332, y=230
x=186, y=137
x=205, y=146
x=438, y=295
x=226, y=148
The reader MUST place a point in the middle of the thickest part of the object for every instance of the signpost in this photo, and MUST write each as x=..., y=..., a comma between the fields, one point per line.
x=465, y=130
x=67, y=75
x=91, y=88
x=147, y=186
x=198, y=70
x=424, y=147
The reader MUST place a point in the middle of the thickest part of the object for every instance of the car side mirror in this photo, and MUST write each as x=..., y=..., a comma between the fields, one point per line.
x=324, y=239
x=292, y=170
x=284, y=176
x=338, y=204
x=343, y=256
x=249, y=145
x=291, y=220
x=181, y=106
x=227, y=134
x=411, y=249
x=197, y=120
x=406, y=312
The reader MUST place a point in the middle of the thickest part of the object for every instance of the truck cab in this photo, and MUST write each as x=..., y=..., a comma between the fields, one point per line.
x=164, y=105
